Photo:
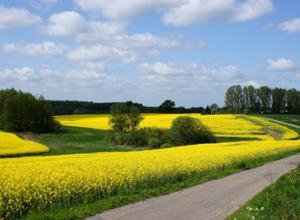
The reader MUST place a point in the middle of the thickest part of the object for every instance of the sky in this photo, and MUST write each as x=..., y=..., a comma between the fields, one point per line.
x=147, y=51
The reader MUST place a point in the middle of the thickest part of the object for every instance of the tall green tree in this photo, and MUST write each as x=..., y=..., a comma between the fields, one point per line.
x=167, y=106
x=279, y=100
x=234, y=98
x=119, y=117
x=293, y=101
x=251, y=99
x=135, y=117
x=124, y=118
x=265, y=99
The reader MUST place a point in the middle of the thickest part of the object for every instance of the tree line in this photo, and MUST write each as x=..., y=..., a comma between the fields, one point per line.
x=21, y=111
x=67, y=107
x=262, y=100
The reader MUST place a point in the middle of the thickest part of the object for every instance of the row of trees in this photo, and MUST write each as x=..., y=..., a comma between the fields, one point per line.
x=66, y=107
x=264, y=99
x=23, y=112
x=80, y=107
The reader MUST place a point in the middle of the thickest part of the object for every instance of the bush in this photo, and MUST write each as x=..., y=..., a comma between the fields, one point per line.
x=154, y=142
x=151, y=137
x=187, y=130
x=23, y=112
x=184, y=131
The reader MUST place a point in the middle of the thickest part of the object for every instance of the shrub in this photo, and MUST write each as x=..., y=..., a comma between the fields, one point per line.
x=154, y=142
x=151, y=137
x=187, y=130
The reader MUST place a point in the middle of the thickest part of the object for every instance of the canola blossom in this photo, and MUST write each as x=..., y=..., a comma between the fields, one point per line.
x=220, y=125
x=36, y=183
x=40, y=182
x=11, y=144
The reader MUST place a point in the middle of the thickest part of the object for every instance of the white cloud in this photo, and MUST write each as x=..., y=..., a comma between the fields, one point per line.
x=149, y=40
x=198, y=11
x=281, y=64
x=291, y=26
x=16, y=17
x=80, y=84
x=163, y=74
x=69, y=23
x=138, y=42
x=35, y=49
x=65, y=23
x=228, y=72
x=252, y=9
x=45, y=77
x=251, y=83
x=20, y=74
x=168, y=69
x=100, y=53
x=177, y=81
x=201, y=11
x=120, y=9
x=96, y=31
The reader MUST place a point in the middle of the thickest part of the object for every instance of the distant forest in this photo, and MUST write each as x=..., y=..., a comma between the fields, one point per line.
x=81, y=107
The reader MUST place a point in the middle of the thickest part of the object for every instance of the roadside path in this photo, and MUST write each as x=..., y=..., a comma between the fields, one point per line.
x=209, y=201
x=284, y=123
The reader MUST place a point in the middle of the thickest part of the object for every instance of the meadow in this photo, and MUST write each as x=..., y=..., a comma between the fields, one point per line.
x=35, y=183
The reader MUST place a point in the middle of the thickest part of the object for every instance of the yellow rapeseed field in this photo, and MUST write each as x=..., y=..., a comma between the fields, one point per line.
x=220, y=125
x=38, y=182
x=10, y=144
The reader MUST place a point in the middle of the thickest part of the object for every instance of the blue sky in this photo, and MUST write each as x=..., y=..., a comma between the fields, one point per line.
x=147, y=51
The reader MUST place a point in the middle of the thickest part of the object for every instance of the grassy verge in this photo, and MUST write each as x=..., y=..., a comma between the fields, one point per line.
x=285, y=118
x=71, y=140
x=293, y=119
x=279, y=201
x=82, y=210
